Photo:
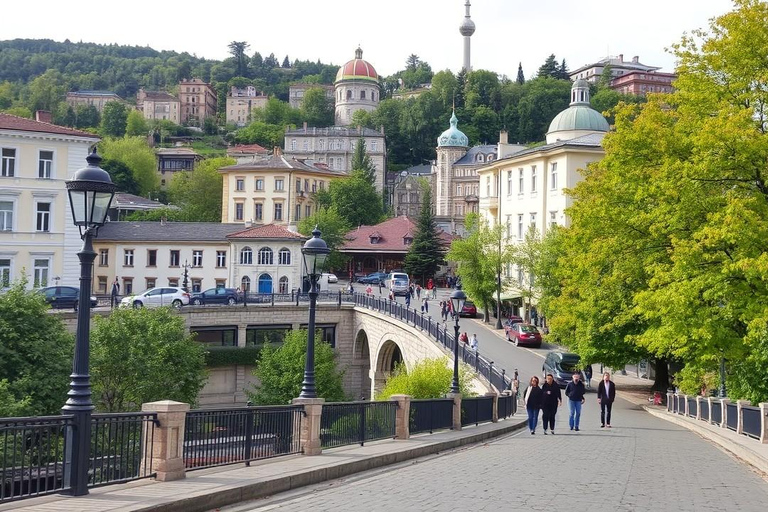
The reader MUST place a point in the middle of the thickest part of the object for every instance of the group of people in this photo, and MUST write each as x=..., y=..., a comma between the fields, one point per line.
x=548, y=398
x=472, y=342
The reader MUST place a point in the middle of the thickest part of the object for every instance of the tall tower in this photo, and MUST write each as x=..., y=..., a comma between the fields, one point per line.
x=356, y=87
x=467, y=28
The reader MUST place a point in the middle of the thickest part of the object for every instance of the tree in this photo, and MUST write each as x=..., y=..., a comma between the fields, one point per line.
x=483, y=89
x=87, y=116
x=542, y=100
x=412, y=62
x=444, y=88
x=362, y=162
x=136, y=125
x=549, y=68
x=286, y=62
x=46, y=91
x=427, y=250
x=562, y=72
x=198, y=193
x=317, y=109
x=35, y=355
x=237, y=49
x=280, y=371
x=333, y=228
x=122, y=176
x=526, y=257
x=356, y=200
x=429, y=378
x=520, y=76
x=137, y=155
x=144, y=355
x=114, y=119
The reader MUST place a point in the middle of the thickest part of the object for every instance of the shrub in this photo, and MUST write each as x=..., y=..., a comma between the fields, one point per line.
x=430, y=378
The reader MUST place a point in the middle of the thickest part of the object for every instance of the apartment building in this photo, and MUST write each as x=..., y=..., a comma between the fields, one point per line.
x=95, y=98
x=158, y=105
x=240, y=104
x=198, y=101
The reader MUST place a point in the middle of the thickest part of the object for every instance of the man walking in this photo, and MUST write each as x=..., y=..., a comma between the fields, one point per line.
x=113, y=295
x=606, y=394
x=575, y=392
x=473, y=343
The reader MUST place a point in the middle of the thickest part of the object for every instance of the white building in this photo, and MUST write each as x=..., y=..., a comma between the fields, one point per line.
x=356, y=88
x=240, y=104
x=617, y=65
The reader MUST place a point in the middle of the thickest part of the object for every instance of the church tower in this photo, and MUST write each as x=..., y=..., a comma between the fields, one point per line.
x=356, y=88
x=467, y=28
x=452, y=144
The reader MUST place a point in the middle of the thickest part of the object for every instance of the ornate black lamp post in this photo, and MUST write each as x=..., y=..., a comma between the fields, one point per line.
x=457, y=303
x=315, y=251
x=90, y=195
x=723, y=391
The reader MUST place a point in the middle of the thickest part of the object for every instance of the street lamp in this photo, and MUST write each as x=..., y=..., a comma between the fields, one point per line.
x=723, y=391
x=90, y=195
x=457, y=302
x=314, y=252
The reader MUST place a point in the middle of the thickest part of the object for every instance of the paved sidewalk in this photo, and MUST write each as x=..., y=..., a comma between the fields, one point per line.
x=208, y=489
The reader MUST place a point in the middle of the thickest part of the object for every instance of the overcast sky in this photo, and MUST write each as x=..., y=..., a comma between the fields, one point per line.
x=508, y=31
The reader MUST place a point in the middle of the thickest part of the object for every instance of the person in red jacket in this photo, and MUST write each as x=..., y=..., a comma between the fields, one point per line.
x=606, y=394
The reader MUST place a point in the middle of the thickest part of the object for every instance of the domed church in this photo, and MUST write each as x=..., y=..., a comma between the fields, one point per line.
x=356, y=87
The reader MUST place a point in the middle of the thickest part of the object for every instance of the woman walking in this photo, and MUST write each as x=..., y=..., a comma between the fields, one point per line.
x=550, y=399
x=533, y=403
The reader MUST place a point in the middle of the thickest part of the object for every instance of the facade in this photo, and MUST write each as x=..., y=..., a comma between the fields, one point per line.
x=246, y=153
x=335, y=146
x=618, y=66
x=38, y=239
x=240, y=104
x=95, y=98
x=125, y=204
x=640, y=83
x=158, y=105
x=296, y=93
x=198, y=101
x=406, y=194
x=466, y=29
x=356, y=88
x=278, y=190
x=172, y=160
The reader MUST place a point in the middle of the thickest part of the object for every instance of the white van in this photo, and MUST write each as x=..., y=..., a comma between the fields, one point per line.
x=397, y=279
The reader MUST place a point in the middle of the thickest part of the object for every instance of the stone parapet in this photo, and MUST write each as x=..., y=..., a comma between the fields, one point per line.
x=168, y=439
x=310, y=426
x=402, y=416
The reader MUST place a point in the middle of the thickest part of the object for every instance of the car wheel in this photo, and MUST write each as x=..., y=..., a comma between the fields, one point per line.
x=138, y=304
x=75, y=305
x=508, y=337
x=176, y=303
x=197, y=302
x=231, y=301
x=517, y=342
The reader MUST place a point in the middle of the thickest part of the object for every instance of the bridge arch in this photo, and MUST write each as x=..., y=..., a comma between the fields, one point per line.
x=361, y=360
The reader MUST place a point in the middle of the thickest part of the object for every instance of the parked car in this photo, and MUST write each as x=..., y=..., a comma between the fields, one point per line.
x=469, y=309
x=509, y=323
x=394, y=276
x=216, y=296
x=166, y=296
x=562, y=366
x=524, y=334
x=332, y=278
x=63, y=297
x=374, y=278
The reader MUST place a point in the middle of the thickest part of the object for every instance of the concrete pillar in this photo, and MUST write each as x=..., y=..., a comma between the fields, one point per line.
x=456, y=409
x=310, y=424
x=670, y=403
x=724, y=412
x=764, y=422
x=709, y=408
x=242, y=329
x=740, y=422
x=168, y=439
x=685, y=403
x=699, y=401
x=402, y=416
x=495, y=416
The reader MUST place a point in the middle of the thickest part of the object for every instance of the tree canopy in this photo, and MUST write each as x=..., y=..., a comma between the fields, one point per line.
x=427, y=251
x=137, y=155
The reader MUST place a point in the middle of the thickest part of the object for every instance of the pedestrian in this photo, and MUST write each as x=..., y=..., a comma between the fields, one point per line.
x=426, y=305
x=473, y=343
x=430, y=286
x=464, y=338
x=588, y=376
x=368, y=290
x=532, y=399
x=407, y=300
x=391, y=295
x=534, y=317
x=114, y=294
x=380, y=284
x=443, y=310
x=551, y=398
x=606, y=394
x=411, y=291
x=575, y=392
x=418, y=291
x=350, y=289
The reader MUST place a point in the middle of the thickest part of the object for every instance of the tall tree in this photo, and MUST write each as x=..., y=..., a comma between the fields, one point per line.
x=46, y=91
x=550, y=68
x=198, y=193
x=317, y=109
x=356, y=200
x=137, y=155
x=427, y=251
x=526, y=257
x=412, y=62
x=361, y=161
x=121, y=176
x=135, y=124
x=562, y=71
x=114, y=119
x=286, y=63
x=237, y=49
x=520, y=76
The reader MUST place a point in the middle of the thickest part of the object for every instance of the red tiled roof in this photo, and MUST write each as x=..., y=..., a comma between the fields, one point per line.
x=22, y=124
x=268, y=231
x=247, y=149
x=391, y=234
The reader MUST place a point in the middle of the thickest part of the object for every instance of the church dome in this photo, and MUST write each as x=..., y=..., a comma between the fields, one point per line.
x=453, y=136
x=579, y=116
x=357, y=69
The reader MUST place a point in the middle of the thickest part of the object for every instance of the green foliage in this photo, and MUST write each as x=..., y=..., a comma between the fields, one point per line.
x=137, y=155
x=429, y=378
x=19, y=111
x=121, y=176
x=362, y=162
x=552, y=69
x=136, y=125
x=520, y=76
x=355, y=200
x=10, y=405
x=198, y=193
x=281, y=370
x=46, y=91
x=333, y=228
x=261, y=133
x=114, y=119
x=427, y=251
x=317, y=109
x=228, y=356
x=144, y=355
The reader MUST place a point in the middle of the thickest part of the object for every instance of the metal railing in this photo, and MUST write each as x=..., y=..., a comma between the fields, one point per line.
x=217, y=437
x=717, y=413
x=507, y=405
x=704, y=412
x=732, y=416
x=751, y=421
x=345, y=423
x=692, y=406
x=681, y=405
x=32, y=456
x=476, y=410
x=121, y=447
x=431, y=415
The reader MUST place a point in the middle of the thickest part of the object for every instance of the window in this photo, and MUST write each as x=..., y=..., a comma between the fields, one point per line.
x=224, y=336
x=259, y=184
x=260, y=334
x=520, y=227
x=298, y=212
x=374, y=145
x=533, y=178
x=279, y=184
x=278, y=211
x=327, y=332
x=8, y=169
x=314, y=185
x=43, y=216
x=533, y=219
x=128, y=285
x=45, y=164
x=258, y=211
x=6, y=215
x=349, y=94
x=5, y=272
x=509, y=183
x=488, y=186
x=520, y=181
x=221, y=283
x=305, y=145
x=197, y=258
x=128, y=258
x=240, y=184
x=152, y=258
x=175, y=259
x=246, y=256
x=245, y=284
x=553, y=176
x=238, y=211
x=173, y=281
x=41, y=272
x=322, y=185
x=221, y=259
x=150, y=282
x=362, y=95
x=307, y=211
x=552, y=219
x=103, y=257
x=298, y=186
x=102, y=286
x=284, y=256
x=458, y=190
x=265, y=256
x=519, y=275
x=197, y=285
x=283, y=285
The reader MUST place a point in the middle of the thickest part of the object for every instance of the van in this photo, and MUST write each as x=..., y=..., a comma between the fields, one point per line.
x=398, y=277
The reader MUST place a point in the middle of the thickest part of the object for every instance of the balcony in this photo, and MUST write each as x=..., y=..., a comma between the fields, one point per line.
x=301, y=195
x=489, y=203
x=471, y=198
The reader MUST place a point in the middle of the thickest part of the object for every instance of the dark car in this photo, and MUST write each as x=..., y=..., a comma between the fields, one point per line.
x=562, y=366
x=374, y=278
x=63, y=297
x=469, y=309
x=216, y=296
x=524, y=334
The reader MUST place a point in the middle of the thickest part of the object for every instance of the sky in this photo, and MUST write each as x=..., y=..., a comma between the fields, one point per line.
x=508, y=31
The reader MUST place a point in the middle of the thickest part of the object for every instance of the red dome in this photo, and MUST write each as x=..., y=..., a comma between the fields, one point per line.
x=357, y=69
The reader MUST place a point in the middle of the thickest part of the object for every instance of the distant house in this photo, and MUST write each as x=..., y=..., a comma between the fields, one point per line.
x=171, y=160
x=296, y=93
x=241, y=102
x=94, y=98
x=158, y=105
x=247, y=153
x=125, y=204
x=198, y=101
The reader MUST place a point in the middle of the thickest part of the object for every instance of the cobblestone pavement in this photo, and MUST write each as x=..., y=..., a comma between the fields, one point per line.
x=641, y=464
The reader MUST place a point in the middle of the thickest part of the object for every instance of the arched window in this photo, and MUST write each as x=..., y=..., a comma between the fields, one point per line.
x=349, y=94
x=265, y=256
x=245, y=284
x=284, y=257
x=246, y=256
x=265, y=283
x=283, y=284
x=362, y=95
x=480, y=158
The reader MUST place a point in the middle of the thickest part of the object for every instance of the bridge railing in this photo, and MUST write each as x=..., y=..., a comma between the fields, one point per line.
x=740, y=416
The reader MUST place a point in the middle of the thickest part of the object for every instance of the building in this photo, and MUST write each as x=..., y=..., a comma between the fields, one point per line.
x=172, y=160
x=618, y=66
x=241, y=102
x=640, y=83
x=356, y=88
x=198, y=102
x=467, y=28
x=92, y=98
x=335, y=147
x=406, y=193
x=38, y=239
x=277, y=190
x=526, y=187
x=158, y=105
x=246, y=153
x=125, y=204
x=296, y=93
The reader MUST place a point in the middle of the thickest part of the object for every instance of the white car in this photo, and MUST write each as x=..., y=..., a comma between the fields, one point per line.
x=331, y=277
x=164, y=296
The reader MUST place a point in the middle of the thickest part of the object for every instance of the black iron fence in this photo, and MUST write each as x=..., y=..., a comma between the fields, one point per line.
x=345, y=423
x=717, y=413
x=507, y=405
x=32, y=456
x=704, y=412
x=681, y=404
x=732, y=416
x=751, y=421
x=229, y=436
x=431, y=415
x=692, y=406
x=476, y=410
x=121, y=447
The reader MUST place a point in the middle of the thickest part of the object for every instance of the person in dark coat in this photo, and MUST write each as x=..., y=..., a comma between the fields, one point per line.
x=532, y=399
x=606, y=394
x=550, y=399
x=575, y=392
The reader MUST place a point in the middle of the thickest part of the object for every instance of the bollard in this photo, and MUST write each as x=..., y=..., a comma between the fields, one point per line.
x=402, y=416
x=456, y=409
x=310, y=425
x=764, y=422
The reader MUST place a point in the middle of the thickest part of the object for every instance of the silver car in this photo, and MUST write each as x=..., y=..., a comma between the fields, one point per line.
x=161, y=296
x=400, y=287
